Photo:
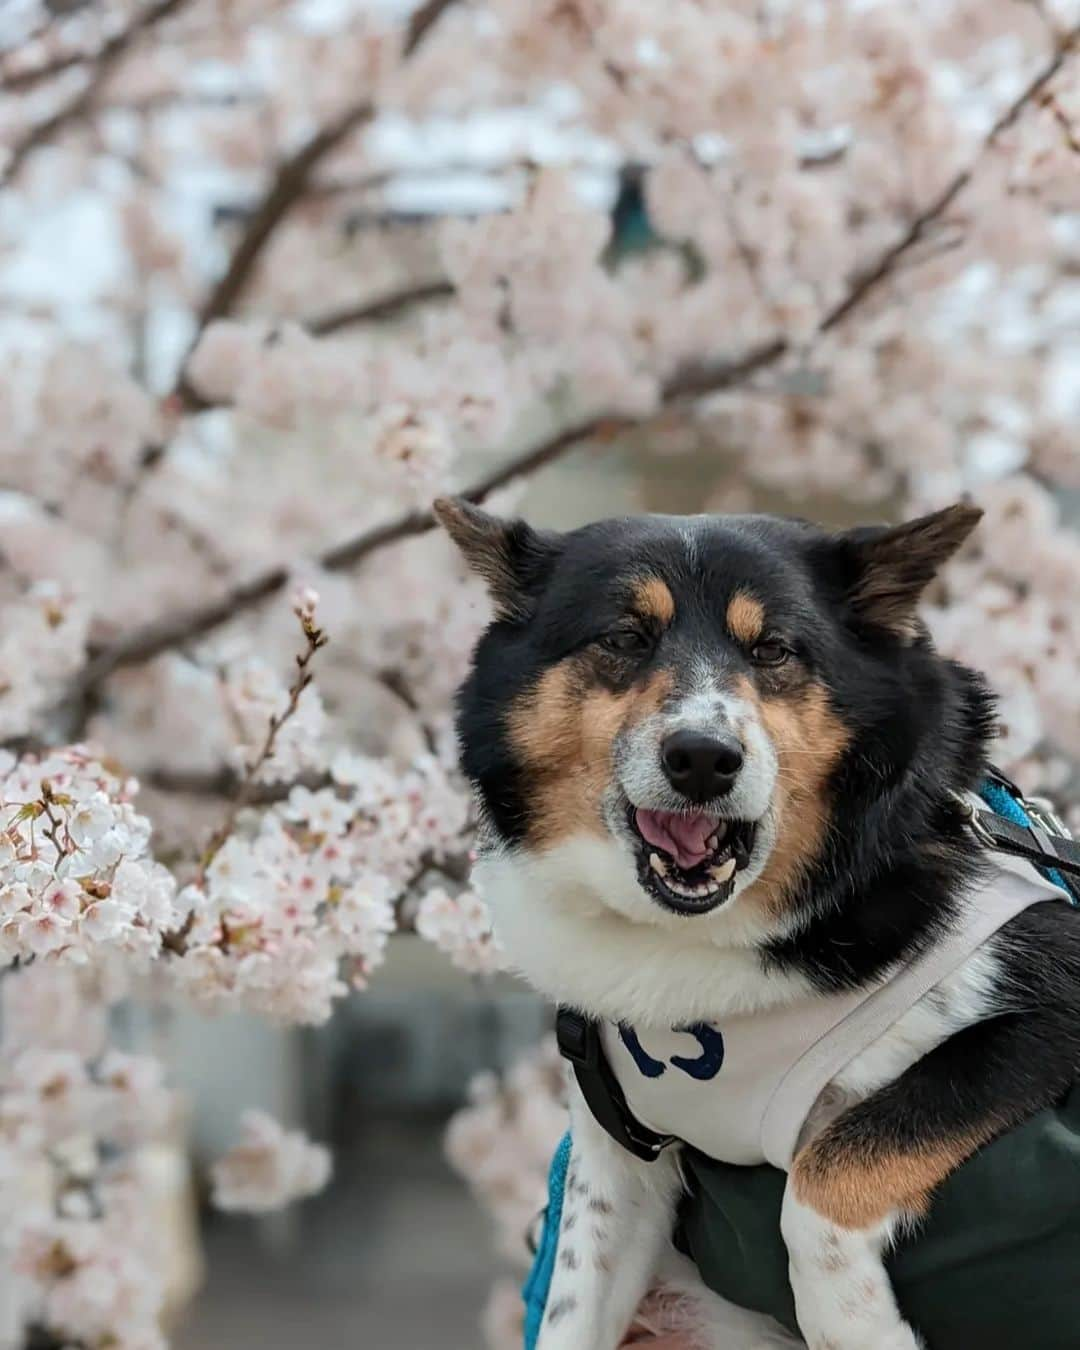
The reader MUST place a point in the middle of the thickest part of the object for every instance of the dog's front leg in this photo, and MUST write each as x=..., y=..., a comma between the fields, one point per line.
x=842, y=1293
x=877, y=1165
x=617, y=1215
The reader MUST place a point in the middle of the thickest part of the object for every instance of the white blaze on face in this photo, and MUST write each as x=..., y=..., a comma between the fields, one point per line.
x=709, y=709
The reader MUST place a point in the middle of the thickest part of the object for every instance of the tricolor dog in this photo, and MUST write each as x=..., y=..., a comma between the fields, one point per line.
x=722, y=774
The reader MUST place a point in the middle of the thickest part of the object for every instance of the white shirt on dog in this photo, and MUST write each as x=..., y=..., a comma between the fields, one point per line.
x=740, y=1090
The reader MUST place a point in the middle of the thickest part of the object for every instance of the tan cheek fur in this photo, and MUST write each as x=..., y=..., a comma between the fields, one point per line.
x=563, y=731
x=808, y=739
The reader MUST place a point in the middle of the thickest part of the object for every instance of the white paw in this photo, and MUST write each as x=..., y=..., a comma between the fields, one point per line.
x=843, y=1299
x=864, y=1338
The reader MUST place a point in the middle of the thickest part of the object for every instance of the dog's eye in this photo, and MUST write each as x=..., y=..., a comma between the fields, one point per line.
x=626, y=642
x=769, y=653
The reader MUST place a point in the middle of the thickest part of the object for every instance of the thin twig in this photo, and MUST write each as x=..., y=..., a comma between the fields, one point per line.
x=1068, y=131
x=225, y=782
x=315, y=639
x=21, y=80
x=386, y=306
x=103, y=63
x=868, y=280
x=289, y=186
x=421, y=22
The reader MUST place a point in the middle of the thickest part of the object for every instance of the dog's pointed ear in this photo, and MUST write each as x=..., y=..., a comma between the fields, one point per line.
x=514, y=559
x=893, y=565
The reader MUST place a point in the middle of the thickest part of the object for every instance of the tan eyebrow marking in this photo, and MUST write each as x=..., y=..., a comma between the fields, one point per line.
x=745, y=617
x=654, y=600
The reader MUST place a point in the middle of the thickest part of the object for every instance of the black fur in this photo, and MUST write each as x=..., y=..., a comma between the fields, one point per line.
x=897, y=857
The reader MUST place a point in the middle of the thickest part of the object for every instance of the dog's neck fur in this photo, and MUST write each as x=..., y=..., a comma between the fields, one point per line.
x=888, y=881
x=560, y=935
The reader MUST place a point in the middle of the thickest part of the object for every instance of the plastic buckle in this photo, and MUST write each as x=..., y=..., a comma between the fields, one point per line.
x=577, y=1038
x=972, y=818
x=1043, y=814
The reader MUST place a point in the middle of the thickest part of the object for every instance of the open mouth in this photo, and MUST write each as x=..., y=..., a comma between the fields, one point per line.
x=688, y=860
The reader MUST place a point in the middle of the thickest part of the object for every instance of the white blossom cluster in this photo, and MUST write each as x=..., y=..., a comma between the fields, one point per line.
x=460, y=926
x=269, y=1168
x=291, y=914
x=76, y=878
x=502, y=1140
x=80, y=1255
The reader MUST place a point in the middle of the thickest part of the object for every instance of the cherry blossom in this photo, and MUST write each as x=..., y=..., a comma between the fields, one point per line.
x=460, y=926
x=237, y=367
x=269, y=1168
x=502, y=1140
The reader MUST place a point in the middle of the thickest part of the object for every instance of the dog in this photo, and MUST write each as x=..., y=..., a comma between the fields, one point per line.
x=720, y=769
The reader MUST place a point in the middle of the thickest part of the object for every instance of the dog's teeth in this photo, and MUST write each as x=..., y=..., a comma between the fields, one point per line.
x=657, y=865
x=718, y=835
x=724, y=872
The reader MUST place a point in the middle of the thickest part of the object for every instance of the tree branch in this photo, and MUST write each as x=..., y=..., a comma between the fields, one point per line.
x=290, y=184
x=103, y=62
x=872, y=277
x=421, y=22
x=142, y=644
x=382, y=307
x=387, y=306
x=21, y=80
x=225, y=782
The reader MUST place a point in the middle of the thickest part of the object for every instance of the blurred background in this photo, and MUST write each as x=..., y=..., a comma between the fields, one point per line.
x=274, y=273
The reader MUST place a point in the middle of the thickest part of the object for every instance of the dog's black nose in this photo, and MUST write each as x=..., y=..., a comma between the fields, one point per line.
x=701, y=766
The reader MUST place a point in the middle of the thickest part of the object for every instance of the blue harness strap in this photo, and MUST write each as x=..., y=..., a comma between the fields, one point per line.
x=538, y=1283
x=1000, y=800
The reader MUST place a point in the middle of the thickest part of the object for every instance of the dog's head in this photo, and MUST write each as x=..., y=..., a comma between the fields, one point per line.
x=665, y=703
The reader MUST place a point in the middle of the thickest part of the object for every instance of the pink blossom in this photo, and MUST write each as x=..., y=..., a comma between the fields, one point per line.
x=144, y=485
x=460, y=926
x=270, y=1167
x=224, y=358
x=501, y=1142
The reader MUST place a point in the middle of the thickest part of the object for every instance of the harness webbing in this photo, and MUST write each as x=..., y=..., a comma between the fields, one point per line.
x=579, y=1042
x=1011, y=824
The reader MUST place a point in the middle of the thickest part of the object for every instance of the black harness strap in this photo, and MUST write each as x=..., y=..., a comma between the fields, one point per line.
x=579, y=1042
x=1031, y=843
x=1044, y=841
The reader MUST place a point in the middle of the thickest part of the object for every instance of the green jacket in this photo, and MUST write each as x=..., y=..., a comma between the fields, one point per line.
x=995, y=1265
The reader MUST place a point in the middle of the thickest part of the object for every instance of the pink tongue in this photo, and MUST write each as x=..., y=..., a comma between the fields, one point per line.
x=680, y=834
